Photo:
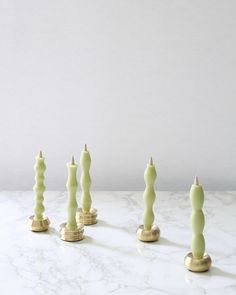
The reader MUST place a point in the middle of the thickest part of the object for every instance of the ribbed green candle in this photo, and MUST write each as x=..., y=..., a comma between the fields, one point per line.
x=85, y=180
x=39, y=187
x=71, y=189
x=197, y=220
x=149, y=195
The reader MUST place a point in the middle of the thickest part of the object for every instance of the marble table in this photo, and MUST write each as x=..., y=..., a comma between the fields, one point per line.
x=110, y=260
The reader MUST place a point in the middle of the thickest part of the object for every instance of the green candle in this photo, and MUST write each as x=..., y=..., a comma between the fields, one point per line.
x=197, y=220
x=85, y=180
x=39, y=187
x=71, y=189
x=149, y=195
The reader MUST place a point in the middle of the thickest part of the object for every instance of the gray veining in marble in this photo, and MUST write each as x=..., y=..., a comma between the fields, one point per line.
x=110, y=260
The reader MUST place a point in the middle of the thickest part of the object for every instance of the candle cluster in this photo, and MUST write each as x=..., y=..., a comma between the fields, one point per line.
x=73, y=229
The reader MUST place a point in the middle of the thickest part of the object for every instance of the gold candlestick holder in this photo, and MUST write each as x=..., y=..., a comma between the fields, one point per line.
x=71, y=235
x=197, y=265
x=86, y=218
x=151, y=235
x=38, y=225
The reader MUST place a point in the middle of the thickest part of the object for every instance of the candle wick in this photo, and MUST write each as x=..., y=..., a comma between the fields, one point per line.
x=40, y=154
x=85, y=148
x=73, y=160
x=151, y=161
x=196, y=181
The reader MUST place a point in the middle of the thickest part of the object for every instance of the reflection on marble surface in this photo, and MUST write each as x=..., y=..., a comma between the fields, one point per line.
x=110, y=260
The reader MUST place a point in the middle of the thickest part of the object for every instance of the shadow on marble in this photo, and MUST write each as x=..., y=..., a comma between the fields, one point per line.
x=51, y=231
x=213, y=272
x=87, y=240
x=118, y=249
x=166, y=242
x=216, y=271
x=90, y=240
x=103, y=223
x=130, y=229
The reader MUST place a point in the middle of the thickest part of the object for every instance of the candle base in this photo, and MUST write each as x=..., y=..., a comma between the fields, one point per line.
x=71, y=235
x=38, y=225
x=197, y=265
x=87, y=218
x=148, y=235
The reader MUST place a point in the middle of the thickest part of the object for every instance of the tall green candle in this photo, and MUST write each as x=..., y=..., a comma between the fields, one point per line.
x=85, y=180
x=197, y=220
x=197, y=260
x=149, y=232
x=39, y=187
x=149, y=195
x=39, y=222
x=86, y=215
x=71, y=189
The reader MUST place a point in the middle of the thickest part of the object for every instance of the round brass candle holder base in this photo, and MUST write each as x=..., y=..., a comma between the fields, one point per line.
x=197, y=265
x=87, y=218
x=151, y=235
x=38, y=225
x=71, y=235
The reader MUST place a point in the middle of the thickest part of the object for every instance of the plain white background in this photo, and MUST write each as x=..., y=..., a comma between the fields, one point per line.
x=129, y=78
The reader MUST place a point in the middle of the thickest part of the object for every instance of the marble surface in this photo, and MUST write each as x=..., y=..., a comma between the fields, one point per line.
x=110, y=260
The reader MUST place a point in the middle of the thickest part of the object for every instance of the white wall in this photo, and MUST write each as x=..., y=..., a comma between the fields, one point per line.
x=129, y=78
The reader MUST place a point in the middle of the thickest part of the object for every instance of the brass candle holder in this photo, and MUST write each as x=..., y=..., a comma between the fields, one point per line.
x=151, y=235
x=38, y=225
x=197, y=265
x=87, y=218
x=70, y=235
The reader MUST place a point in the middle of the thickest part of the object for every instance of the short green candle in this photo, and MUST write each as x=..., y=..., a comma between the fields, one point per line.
x=149, y=195
x=71, y=189
x=39, y=187
x=85, y=180
x=197, y=220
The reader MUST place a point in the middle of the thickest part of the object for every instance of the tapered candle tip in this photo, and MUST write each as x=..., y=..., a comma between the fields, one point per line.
x=40, y=154
x=196, y=181
x=72, y=160
x=151, y=161
x=85, y=147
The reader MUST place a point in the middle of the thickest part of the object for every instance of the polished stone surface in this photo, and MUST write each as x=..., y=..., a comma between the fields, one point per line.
x=110, y=260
